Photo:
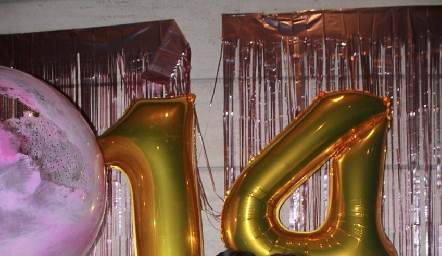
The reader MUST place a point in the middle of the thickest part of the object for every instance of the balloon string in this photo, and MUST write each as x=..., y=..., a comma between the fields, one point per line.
x=205, y=204
x=204, y=151
x=217, y=73
x=203, y=148
x=213, y=93
x=206, y=207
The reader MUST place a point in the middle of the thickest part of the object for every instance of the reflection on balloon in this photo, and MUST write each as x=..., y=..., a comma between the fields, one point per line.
x=351, y=128
x=153, y=144
x=52, y=182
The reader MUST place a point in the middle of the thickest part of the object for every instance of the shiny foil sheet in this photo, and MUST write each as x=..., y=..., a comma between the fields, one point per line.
x=103, y=70
x=274, y=65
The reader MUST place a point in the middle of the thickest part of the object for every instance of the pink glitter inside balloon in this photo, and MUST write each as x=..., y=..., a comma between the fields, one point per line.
x=52, y=182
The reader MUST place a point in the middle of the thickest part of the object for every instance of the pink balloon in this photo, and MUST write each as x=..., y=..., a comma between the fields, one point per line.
x=52, y=180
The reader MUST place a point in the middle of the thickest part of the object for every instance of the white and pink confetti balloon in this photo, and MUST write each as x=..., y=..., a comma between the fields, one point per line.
x=52, y=182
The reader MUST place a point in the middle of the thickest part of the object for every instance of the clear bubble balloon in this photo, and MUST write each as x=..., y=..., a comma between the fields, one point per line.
x=52, y=182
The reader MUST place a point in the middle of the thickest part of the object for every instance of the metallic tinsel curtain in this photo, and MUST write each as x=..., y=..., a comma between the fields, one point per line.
x=274, y=65
x=103, y=70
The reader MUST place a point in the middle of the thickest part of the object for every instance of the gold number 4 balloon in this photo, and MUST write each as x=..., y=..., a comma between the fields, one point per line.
x=349, y=127
x=153, y=145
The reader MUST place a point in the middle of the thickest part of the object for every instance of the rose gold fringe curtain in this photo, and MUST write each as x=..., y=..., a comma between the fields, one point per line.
x=102, y=70
x=274, y=65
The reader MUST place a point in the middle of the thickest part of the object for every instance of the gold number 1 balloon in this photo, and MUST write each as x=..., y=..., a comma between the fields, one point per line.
x=153, y=145
x=349, y=126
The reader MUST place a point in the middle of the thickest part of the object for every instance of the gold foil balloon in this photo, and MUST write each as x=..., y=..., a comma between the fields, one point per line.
x=153, y=144
x=349, y=127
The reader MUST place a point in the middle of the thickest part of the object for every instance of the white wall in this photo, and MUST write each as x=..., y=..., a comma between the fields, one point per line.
x=200, y=22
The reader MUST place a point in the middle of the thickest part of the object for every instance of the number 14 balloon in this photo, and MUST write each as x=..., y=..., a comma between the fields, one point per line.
x=153, y=142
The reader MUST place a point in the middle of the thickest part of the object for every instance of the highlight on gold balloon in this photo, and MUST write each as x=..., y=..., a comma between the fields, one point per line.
x=52, y=180
x=348, y=126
